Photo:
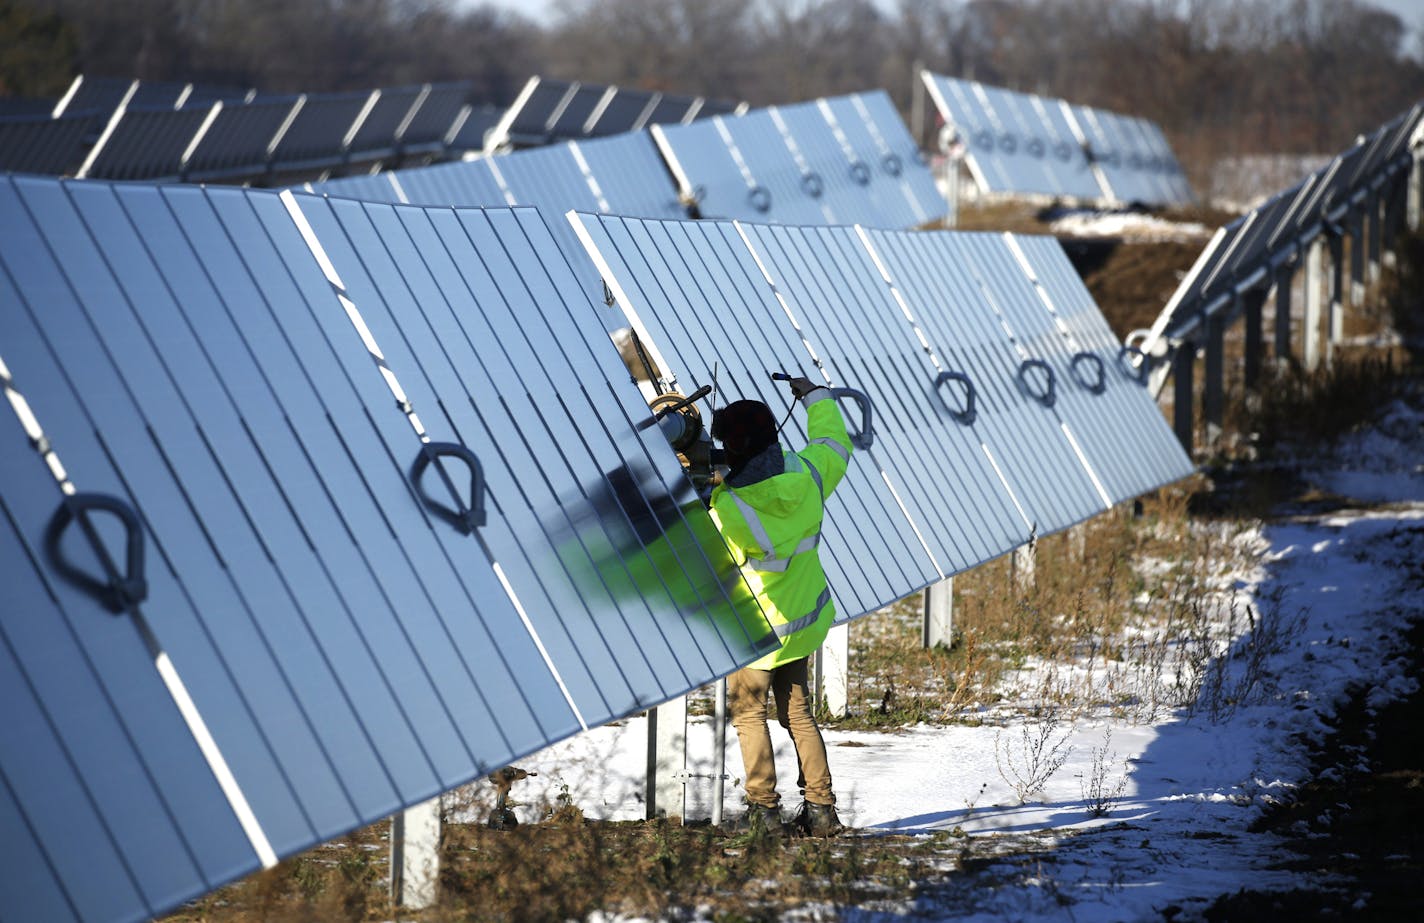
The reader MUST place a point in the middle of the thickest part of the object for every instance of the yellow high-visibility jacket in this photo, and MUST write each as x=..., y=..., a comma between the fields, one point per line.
x=775, y=525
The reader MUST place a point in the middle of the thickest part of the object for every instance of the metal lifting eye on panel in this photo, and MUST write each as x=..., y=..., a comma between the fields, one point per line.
x=1036, y=147
x=1063, y=151
x=465, y=518
x=1044, y=394
x=984, y=138
x=865, y=436
x=1008, y=143
x=968, y=414
x=860, y=173
x=1136, y=363
x=117, y=591
x=812, y=185
x=1096, y=385
x=892, y=165
x=760, y=198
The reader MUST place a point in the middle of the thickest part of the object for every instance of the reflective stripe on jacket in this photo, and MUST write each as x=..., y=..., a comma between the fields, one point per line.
x=775, y=525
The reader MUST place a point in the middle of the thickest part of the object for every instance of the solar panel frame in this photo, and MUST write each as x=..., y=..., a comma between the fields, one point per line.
x=575, y=110
x=625, y=169
x=433, y=118
x=869, y=142
x=625, y=111
x=898, y=146
x=762, y=146
x=844, y=198
x=377, y=136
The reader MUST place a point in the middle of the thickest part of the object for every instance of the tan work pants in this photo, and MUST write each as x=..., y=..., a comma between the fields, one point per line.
x=746, y=696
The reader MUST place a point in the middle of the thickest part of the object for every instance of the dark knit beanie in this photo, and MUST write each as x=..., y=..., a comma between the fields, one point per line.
x=744, y=428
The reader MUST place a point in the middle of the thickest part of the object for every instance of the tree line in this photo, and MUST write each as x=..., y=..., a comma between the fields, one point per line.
x=1222, y=77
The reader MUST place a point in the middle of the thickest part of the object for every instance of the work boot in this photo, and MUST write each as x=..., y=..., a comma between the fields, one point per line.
x=760, y=819
x=818, y=820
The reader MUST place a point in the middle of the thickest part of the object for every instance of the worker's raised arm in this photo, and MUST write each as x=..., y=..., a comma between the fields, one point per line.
x=829, y=447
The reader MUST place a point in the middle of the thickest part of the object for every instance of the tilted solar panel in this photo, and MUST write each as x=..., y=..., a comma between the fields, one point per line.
x=236, y=141
x=840, y=184
x=342, y=629
x=144, y=144
x=1104, y=400
x=315, y=136
x=900, y=155
x=40, y=144
x=629, y=177
x=853, y=117
x=794, y=193
x=957, y=307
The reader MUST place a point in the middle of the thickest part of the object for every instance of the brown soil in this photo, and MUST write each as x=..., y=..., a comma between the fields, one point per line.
x=1358, y=829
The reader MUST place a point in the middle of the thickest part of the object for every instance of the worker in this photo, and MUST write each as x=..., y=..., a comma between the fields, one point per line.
x=769, y=507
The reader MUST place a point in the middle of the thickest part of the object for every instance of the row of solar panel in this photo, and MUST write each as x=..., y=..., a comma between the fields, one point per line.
x=1026, y=144
x=342, y=611
x=147, y=131
x=560, y=110
x=843, y=160
x=1277, y=230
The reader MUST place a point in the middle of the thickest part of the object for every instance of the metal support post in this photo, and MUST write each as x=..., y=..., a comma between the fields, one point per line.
x=1336, y=320
x=1357, y=258
x=917, y=103
x=1251, y=307
x=415, y=855
x=832, y=667
x=1285, y=279
x=1414, y=203
x=1184, y=362
x=666, y=790
x=1022, y=566
x=1374, y=212
x=1214, y=379
x=1314, y=284
x=939, y=615
x=719, y=752
x=1394, y=207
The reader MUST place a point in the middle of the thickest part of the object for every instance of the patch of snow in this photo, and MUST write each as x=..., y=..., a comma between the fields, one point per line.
x=1127, y=225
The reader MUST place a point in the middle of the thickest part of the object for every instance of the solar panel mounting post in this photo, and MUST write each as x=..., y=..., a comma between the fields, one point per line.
x=1374, y=220
x=1314, y=282
x=666, y=786
x=1184, y=359
x=1357, y=253
x=415, y=855
x=832, y=671
x=939, y=615
x=1214, y=378
x=1285, y=280
x=1251, y=303
x=1415, y=196
x=1336, y=317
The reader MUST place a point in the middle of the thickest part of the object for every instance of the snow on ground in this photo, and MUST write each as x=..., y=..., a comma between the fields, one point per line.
x=1126, y=225
x=1179, y=792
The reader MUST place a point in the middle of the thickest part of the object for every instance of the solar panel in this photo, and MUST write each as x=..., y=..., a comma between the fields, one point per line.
x=378, y=131
x=146, y=144
x=629, y=177
x=40, y=144
x=795, y=194
x=206, y=357
x=829, y=168
x=433, y=118
x=624, y=111
x=236, y=141
x=100, y=95
x=880, y=141
x=316, y=135
x=956, y=304
x=672, y=109
x=527, y=120
x=702, y=306
x=473, y=127
x=575, y=110
x=1021, y=143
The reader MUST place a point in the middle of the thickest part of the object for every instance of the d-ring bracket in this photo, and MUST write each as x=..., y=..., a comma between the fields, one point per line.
x=1046, y=397
x=466, y=519
x=760, y=198
x=117, y=591
x=860, y=173
x=968, y=414
x=812, y=185
x=892, y=164
x=864, y=438
x=1138, y=372
x=1092, y=358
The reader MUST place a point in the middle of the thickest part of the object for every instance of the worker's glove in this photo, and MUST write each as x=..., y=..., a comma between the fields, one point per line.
x=800, y=387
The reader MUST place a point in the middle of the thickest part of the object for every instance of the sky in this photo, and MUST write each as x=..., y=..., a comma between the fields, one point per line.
x=1187, y=788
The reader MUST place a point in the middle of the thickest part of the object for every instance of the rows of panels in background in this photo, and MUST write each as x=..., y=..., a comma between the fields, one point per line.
x=999, y=405
x=1019, y=143
x=310, y=509
x=1245, y=253
x=548, y=110
x=838, y=160
x=165, y=136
